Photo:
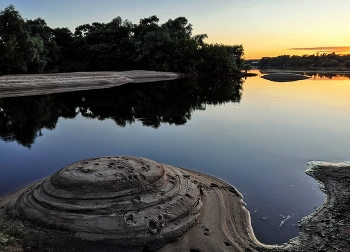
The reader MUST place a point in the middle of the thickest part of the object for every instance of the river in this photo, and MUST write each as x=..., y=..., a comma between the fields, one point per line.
x=256, y=134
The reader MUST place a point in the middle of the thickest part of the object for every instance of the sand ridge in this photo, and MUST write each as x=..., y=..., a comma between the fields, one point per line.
x=224, y=223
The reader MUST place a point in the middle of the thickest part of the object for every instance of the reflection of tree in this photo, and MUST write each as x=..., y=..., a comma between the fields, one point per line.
x=313, y=74
x=23, y=118
x=328, y=75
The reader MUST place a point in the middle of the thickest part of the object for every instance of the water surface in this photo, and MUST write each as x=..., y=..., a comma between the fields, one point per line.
x=256, y=134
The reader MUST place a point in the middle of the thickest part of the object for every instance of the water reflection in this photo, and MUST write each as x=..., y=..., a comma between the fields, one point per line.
x=318, y=75
x=329, y=76
x=22, y=119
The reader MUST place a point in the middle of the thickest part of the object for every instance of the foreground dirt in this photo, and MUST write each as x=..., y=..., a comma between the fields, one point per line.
x=39, y=84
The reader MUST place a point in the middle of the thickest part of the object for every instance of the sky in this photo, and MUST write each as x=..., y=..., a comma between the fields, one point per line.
x=263, y=27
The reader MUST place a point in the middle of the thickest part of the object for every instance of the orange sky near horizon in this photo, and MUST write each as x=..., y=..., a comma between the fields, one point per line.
x=286, y=27
x=258, y=54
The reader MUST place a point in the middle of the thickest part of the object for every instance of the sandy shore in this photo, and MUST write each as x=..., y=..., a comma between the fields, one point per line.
x=223, y=223
x=39, y=84
x=328, y=228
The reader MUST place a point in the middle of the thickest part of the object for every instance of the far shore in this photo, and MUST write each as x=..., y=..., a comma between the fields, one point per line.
x=306, y=71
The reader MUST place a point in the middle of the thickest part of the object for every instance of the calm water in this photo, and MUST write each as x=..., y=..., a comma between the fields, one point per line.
x=256, y=134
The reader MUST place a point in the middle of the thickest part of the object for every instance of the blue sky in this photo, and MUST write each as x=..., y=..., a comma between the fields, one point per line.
x=264, y=27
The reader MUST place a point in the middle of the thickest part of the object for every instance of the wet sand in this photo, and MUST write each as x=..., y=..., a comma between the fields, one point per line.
x=39, y=84
x=224, y=223
x=328, y=228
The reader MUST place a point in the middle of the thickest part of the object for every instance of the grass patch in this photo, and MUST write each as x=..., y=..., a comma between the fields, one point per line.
x=10, y=234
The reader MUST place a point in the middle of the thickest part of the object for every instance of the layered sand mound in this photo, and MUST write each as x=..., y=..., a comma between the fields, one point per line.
x=130, y=204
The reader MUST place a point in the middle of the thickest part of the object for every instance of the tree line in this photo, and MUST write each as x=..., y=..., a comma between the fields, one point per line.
x=324, y=60
x=31, y=46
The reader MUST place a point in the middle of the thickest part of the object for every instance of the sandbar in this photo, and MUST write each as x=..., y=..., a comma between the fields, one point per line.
x=284, y=77
x=40, y=84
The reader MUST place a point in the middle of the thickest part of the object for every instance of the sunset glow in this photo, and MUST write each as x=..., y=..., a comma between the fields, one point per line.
x=264, y=28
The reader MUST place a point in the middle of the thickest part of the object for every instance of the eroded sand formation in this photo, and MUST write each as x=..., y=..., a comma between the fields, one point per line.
x=131, y=204
x=128, y=202
x=39, y=84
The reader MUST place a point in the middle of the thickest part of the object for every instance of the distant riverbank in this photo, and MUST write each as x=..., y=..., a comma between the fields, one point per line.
x=290, y=74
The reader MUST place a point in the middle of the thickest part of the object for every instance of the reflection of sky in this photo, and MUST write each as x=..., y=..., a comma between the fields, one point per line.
x=265, y=28
x=261, y=146
x=331, y=77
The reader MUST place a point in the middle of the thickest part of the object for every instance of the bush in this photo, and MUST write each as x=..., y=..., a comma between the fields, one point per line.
x=10, y=234
x=346, y=63
x=215, y=59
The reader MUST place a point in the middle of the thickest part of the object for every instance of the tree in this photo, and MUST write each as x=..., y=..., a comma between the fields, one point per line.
x=108, y=46
x=38, y=27
x=36, y=54
x=215, y=59
x=32, y=46
x=13, y=41
x=179, y=28
x=22, y=44
x=346, y=63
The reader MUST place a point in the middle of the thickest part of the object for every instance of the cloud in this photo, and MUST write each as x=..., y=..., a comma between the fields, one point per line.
x=324, y=49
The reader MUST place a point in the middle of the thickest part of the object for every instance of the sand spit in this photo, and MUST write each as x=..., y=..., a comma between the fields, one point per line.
x=284, y=77
x=328, y=228
x=136, y=204
x=38, y=84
